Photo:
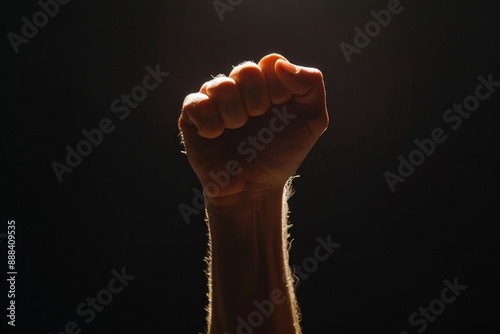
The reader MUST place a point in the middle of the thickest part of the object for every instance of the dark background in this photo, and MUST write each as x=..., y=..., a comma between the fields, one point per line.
x=119, y=208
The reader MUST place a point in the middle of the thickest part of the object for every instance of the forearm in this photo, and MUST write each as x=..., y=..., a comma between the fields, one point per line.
x=248, y=265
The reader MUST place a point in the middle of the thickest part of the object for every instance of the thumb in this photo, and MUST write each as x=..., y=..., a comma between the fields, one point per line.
x=305, y=83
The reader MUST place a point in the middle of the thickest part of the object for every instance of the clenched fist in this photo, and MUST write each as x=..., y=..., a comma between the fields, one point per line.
x=250, y=131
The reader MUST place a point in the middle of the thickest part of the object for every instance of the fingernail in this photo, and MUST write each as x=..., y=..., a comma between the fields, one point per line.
x=290, y=68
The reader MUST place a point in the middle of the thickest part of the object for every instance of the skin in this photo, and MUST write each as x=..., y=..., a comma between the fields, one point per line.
x=247, y=217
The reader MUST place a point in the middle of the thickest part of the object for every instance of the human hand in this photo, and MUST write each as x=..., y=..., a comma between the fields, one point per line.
x=250, y=131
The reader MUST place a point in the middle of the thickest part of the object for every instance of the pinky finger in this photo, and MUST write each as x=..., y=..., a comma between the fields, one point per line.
x=199, y=110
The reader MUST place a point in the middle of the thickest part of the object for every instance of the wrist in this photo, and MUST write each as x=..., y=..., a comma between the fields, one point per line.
x=256, y=213
x=244, y=198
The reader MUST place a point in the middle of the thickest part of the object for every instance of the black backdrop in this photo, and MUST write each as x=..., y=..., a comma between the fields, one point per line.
x=119, y=207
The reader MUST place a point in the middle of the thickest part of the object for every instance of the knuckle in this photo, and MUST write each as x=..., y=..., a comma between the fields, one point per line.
x=218, y=82
x=316, y=74
x=252, y=81
x=222, y=88
x=246, y=73
x=193, y=99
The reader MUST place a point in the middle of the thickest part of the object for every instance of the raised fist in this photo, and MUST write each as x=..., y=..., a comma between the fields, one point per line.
x=250, y=131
